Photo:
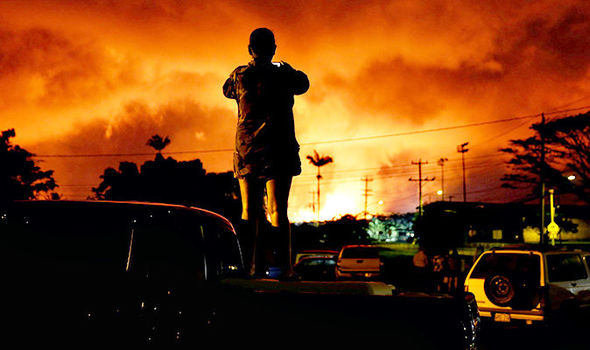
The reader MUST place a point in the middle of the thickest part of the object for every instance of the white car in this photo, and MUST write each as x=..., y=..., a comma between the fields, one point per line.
x=358, y=262
x=528, y=283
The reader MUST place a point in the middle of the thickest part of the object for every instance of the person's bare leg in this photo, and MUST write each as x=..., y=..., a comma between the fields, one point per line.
x=277, y=191
x=252, y=193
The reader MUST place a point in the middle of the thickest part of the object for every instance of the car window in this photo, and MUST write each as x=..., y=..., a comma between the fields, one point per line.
x=167, y=244
x=224, y=256
x=565, y=267
x=508, y=263
x=360, y=252
x=318, y=262
x=65, y=238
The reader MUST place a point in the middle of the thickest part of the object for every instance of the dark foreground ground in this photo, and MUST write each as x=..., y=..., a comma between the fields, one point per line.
x=570, y=335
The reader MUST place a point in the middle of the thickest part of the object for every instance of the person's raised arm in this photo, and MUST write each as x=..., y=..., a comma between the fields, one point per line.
x=299, y=80
x=229, y=88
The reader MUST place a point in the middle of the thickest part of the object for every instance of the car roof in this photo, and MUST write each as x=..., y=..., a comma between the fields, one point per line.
x=531, y=248
x=320, y=251
x=359, y=246
x=115, y=204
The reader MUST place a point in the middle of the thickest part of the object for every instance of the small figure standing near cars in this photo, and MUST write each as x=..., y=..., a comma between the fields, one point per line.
x=421, y=268
x=438, y=271
x=452, y=271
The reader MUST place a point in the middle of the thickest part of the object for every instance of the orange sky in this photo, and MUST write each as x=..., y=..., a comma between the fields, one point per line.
x=101, y=77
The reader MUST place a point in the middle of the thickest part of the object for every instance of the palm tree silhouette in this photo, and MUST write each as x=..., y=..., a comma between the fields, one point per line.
x=158, y=143
x=319, y=161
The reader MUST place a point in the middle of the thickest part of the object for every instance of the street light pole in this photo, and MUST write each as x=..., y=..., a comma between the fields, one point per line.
x=462, y=149
x=441, y=162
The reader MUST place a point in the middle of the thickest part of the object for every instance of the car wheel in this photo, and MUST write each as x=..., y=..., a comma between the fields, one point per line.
x=499, y=289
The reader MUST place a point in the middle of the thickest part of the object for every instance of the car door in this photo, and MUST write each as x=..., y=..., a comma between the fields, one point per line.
x=567, y=270
x=67, y=266
x=167, y=275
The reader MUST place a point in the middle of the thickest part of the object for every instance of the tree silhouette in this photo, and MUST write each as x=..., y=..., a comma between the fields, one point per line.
x=167, y=180
x=558, y=148
x=158, y=143
x=20, y=178
x=319, y=161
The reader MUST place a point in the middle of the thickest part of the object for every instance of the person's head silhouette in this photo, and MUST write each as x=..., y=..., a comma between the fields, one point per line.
x=262, y=45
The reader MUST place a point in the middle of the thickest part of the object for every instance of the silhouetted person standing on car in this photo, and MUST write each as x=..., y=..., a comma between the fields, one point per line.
x=266, y=151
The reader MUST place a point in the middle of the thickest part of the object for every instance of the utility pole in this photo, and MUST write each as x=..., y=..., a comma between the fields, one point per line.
x=420, y=180
x=441, y=162
x=312, y=203
x=542, y=180
x=462, y=149
x=366, y=193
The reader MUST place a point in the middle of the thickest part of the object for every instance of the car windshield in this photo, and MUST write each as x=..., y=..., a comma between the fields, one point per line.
x=565, y=267
x=317, y=262
x=507, y=263
x=360, y=252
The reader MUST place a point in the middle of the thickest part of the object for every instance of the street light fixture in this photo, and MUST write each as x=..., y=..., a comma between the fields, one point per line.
x=571, y=177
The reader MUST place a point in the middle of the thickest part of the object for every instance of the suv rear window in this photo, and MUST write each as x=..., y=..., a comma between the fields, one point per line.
x=360, y=252
x=508, y=263
x=565, y=267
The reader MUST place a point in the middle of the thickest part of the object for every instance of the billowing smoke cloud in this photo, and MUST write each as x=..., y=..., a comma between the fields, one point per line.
x=189, y=125
x=532, y=67
x=69, y=75
x=43, y=67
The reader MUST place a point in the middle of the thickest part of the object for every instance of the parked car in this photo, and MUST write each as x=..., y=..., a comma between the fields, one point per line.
x=529, y=284
x=88, y=273
x=324, y=253
x=359, y=262
x=321, y=268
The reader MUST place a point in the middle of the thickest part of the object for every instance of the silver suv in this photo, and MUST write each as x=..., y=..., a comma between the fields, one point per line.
x=528, y=283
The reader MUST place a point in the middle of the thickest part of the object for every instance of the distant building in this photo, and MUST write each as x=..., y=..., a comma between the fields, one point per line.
x=473, y=222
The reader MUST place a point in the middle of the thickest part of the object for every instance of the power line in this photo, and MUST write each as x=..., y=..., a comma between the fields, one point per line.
x=384, y=169
x=352, y=139
x=306, y=182
x=139, y=154
x=442, y=128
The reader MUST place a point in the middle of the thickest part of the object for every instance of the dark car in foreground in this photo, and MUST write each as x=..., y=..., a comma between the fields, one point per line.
x=90, y=273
